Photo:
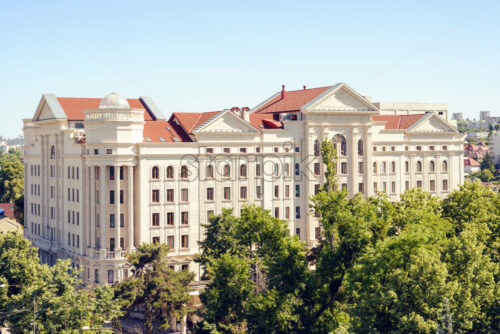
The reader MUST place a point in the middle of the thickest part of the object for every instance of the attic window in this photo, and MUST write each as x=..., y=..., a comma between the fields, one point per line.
x=79, y=125
x=162, y=139
x=168, y=128
x=147, y=138
x=210, y=150
x=175, y=139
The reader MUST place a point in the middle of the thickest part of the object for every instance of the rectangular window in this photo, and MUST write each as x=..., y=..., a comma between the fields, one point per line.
x=210, y=150
x=276, y=212
x=407, y=185
x=122, y=197
x=112, y=244
x=210, y=194
x=316, y=168
x=122, y=243
x=155, y=197
x=243, y=150
x=384, y=187
x=393, y=187
x=343, y=168
x=297, y=212
x=297, y=190
x=121, y=173
x=375, y=186
x=111, y=197
x=432, y=185
x=407, y=166
x=109, y=151
x=155, y=219
x=111, y=278
x=170, y=242
x=297, y=232
x=185, y=241
x=361, y=167
x=258, y=191
x=258, y=171
x=243, y=192
x=287, y=212
x=170, y=195
x=316, y=188
x=227, y=150
x=96, y=275
x=77, y=241
x=276, y=191
x=227, y=193
x=156, y=240
x=287, y=191
x=111, y=172
x=170, y=218
x=184, y=218
x=445, y=185
x=361, y=188
x=419, y=184
x=317, y=233
x=122, y=220
x=112, y=220
x=184, y=195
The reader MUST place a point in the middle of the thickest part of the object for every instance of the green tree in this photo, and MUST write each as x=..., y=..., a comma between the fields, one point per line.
x=487, y=163
x=462, y=126
x=163, y=292
x=11, y=180
x=486, y=175
x=48, y=294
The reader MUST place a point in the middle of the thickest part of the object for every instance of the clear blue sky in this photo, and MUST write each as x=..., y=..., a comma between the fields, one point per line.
x=200, y=56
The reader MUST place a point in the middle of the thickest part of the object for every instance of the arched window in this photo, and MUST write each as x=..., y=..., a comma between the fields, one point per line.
x=243, y=170
x=227, y=170
x=419, y=166
x=276, y=170
x=360, y=147
x=432, y=166
x=258, y=171
x=155, y=172
x=375, y=167
x=393, y=166
x=170, y=172
x=339, y=139
x=210, y=171
x=52, y=152
x=445, y=166
x=184, y=172
x=287, y=169
x=297, y=169
x=316, y=147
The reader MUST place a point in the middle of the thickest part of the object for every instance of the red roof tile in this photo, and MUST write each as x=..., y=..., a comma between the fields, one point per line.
x=167, y=130
x=395, y=122
x=191, y=120
x=74, y=106
x=471, y=162
x=292, y=101
x=8, y=209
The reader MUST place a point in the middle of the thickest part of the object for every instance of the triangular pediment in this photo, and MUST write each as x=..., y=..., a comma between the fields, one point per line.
x=46, y=113
x=49, y=108
x=225, y=122
x=432, y=123
x=340, y=98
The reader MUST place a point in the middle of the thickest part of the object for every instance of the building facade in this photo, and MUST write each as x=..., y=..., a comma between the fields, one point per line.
x=103, y=176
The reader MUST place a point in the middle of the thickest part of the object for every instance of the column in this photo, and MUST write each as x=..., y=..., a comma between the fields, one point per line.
x=368, y=163
x=102, y=203
x=92, y=210
x=130, y=203
x=117, y=208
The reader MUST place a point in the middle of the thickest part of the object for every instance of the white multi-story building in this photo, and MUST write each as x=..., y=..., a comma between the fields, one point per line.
x=103, y=176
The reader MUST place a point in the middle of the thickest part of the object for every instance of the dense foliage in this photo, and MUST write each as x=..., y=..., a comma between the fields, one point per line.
x=48, y=295
x=11, y=177
x=419, y=265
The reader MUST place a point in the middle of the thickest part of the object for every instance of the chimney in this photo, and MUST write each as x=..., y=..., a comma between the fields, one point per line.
x=304, y=87
x=283, y=92
x=245, y=113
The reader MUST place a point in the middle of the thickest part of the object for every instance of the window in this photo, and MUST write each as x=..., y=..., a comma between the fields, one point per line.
x=431, y=166
x=210, y=150
x=339, y=139
x=297, y=169
x=316, y=148
x=52, y=152
x=227, y=171
x=432, y=185
x=155, y=197
x=297, y=149
x=170, y=195
x=210, y=194
x=344, y=186
x=258, y=191
x=184, y=172
x=393, y=166
x=155, y=173
x=276, y=149
x=287, y=212
x=445, y=185
x=96, y=275
x=445, y=148
x=360, y=147
x=297, y=190
x=317, y=233
x=121, y=196
x=170, y=172
x=316, y=168
x=431, y=148
x=276, y=212
x=374, y=148
x=111, y=197
x=258, y=171
x=226, y=150
x=361, y=188
x=393, y=148
x=227, y=193
x=185, y=267
x=184, y=241
x=96, y=151
x=445, y=166
x=156, y=240
x=361, y=167
x=384, y=187
x=243, y=192
x=170, y=218
x=184, y=218
x=343, y=168
x=287, y=169
x=407, y=185
x=112, y=244
x=316, y=188
x=210, y=171
x=122, y=220
x=276, y=170
x=297, y=232
x=297, y=212
x=384, y=167
x=155, y=219
x=112, y=220
x=287, y=191
x=243, y=150
x=184, y=195
x=243, y=170
x=393, y=187
x=111, y=172
x=375, y=186
x=276, y=191
x=375, y=168
x=110, y=276
x=419, y=184
x=170, y=242
x=419, y=148
x=407, y=166
x=407, y=148
x=257, y=149
x=419, y=166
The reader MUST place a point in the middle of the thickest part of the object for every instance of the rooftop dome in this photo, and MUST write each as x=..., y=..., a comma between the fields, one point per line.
x=114, y=101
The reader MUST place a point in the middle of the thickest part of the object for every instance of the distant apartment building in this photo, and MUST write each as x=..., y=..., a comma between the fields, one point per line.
x=105, y=175
x=457, y=116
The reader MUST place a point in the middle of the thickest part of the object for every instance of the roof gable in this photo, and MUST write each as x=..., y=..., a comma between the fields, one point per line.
x=225, y=122
x=397, y=122
x=432, y=123
x=340, y=98
x=292, y=101
x=48, y=108
x=191, y=120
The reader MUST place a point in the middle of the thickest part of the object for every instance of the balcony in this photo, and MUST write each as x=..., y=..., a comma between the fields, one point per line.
x=107, y=255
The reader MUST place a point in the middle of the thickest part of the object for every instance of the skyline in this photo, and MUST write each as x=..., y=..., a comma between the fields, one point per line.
x=216, y=56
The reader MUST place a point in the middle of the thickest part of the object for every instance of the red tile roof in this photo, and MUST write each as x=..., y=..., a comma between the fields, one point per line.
x=191, y=120
x=8, y=209
x=74, y=106
x=471, y=162
x=395, y=122
x=292, y=101
x=167, y=130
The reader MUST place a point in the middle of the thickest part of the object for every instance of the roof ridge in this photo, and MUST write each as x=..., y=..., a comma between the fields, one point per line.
x=399, y=121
